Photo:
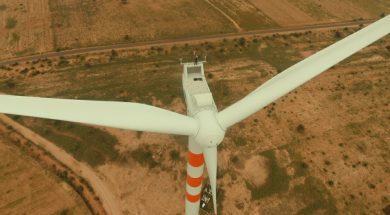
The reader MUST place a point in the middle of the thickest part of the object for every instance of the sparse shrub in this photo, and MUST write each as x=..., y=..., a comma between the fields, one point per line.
x=240, y=205
x=304, y=165
x=63, y=175
x=337, y=34
x=124, y=1
x=240, y=141
x=382, y=15
x=300, y=129
x=3, y=7
x=11, y=23
x=386, y=210
x=220, y=199
x=365, y=163
x=371, y=186
x=15, y=37
x=63, y=62
x=235, y=159
x=114, y=54
x=139, y=134
x=242, y=41
x=64, y=212
x=10, y=83
x=79, y=189
x=210, y=46
x=330, y=183
x=327, y=162
x=175, y=155
x=144, y=156
x=210, y=76
x=159, y=49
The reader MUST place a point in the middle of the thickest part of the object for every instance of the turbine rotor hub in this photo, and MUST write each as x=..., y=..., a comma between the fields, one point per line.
x=210, y=133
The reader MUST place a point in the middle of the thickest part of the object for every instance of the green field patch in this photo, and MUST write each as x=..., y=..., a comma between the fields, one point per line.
x=3, y=7
x=277, y=181
x=316, y=197
x=364, y=86
x=84, y=143
x=11, y=23
x=144, y=156
x=279, y=55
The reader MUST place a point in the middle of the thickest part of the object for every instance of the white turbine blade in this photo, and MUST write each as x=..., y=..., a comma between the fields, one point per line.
x=210, y=158
x=123, y=115
x=302, y=72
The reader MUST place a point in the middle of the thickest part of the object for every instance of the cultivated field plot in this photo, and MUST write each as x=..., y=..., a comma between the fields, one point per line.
x=25, y=27
x=31, y=27
x=321, y=149
x=26, y=188
x=85, y=23
x=257, y=14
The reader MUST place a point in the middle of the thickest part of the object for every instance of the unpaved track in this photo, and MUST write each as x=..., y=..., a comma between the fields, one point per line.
x=321, y=26
x=236, y=25
x=109, y=201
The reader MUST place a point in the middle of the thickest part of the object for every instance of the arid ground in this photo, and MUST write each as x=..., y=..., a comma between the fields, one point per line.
x=26, y=188
x=322, y=149
x=38, y=26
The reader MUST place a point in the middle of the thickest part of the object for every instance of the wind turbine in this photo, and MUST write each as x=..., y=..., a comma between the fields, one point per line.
x=204, y=125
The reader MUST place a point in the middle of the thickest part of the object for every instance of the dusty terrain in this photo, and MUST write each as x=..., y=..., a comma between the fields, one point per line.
x=25, y=27
x=323, y=148
x=255, y=14
x=81, y=177
x=36, y=26
x=27, y=188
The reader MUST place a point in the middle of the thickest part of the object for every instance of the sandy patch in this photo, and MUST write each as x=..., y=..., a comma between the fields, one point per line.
x=255, y=170
x=145, y=191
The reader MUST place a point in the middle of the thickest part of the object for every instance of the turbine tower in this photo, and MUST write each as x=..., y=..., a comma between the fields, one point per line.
x=204, y=125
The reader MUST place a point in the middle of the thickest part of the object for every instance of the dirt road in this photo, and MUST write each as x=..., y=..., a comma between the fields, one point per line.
x=108, y=199
x=236, y=25
x=321, y=26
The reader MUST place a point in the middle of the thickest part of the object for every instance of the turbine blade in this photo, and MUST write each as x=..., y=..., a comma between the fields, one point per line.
x=210, y=158
x=125, y=115
x=302, y=72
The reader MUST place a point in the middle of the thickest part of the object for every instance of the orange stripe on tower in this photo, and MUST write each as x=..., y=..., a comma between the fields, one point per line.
x=192, y=198
x=194, y=182
x=195, y=160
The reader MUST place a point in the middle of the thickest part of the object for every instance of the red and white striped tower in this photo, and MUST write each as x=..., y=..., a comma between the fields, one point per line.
x=195, y=168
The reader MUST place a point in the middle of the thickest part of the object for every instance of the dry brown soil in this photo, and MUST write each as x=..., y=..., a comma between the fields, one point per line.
x=27, y=188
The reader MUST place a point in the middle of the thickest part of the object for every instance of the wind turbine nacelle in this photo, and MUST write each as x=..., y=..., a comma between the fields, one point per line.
x=210, y=133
